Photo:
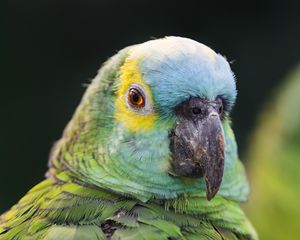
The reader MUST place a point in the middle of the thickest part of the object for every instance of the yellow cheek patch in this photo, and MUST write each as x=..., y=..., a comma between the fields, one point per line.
x=133, y=121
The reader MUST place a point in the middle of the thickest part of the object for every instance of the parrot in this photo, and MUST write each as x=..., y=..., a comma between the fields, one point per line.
x=273, y=163
x=148, y=154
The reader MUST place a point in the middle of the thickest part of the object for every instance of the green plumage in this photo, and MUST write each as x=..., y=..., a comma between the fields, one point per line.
x=61, y=209
x=108, y=181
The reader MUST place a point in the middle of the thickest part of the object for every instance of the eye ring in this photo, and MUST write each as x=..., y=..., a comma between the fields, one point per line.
x=136, y=98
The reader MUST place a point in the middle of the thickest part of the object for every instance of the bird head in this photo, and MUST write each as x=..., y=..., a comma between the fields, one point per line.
x=154, y=123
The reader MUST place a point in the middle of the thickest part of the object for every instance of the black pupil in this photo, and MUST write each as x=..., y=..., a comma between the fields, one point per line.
x=135, y=97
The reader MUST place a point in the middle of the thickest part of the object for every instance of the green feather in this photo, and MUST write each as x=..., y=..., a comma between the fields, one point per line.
x=74, y=233
x=144, y=232
x=45, y=210
x=106, y=180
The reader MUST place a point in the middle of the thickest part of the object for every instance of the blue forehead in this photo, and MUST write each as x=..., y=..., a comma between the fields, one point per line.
x=186, y=71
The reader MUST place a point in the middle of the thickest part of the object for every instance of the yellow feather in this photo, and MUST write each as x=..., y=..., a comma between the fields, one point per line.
x=130, y=74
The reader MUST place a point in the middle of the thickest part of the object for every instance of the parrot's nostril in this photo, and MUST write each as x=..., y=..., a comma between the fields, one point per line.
x=213, y=115
x=196, y=110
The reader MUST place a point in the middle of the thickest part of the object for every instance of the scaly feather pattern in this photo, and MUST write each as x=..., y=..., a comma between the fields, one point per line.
x=62, y=209
x=109, y=174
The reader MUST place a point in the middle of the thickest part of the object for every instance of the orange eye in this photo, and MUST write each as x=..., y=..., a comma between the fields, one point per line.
x=136, y=98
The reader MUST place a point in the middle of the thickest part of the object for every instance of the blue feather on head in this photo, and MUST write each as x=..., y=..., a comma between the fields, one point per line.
x=178, y=68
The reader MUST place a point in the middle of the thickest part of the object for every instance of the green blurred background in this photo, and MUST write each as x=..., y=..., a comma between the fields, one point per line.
x=51, y=48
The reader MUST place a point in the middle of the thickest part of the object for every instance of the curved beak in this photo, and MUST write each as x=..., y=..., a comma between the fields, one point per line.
x=197, y=143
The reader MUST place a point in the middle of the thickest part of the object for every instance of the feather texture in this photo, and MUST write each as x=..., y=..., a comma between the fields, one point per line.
x=109, y=174
x=65, y=210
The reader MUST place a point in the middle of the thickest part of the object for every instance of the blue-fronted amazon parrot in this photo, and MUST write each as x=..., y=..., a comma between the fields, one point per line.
x=148, y=154
x=274, y=166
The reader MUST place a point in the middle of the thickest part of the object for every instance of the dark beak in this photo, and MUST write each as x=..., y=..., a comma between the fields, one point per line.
x=197, y=143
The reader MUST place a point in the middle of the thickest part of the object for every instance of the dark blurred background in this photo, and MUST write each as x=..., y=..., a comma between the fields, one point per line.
x=50, y=48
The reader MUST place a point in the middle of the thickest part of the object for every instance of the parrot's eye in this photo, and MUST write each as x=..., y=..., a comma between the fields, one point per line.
x=138, y=101
x=136, y=98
